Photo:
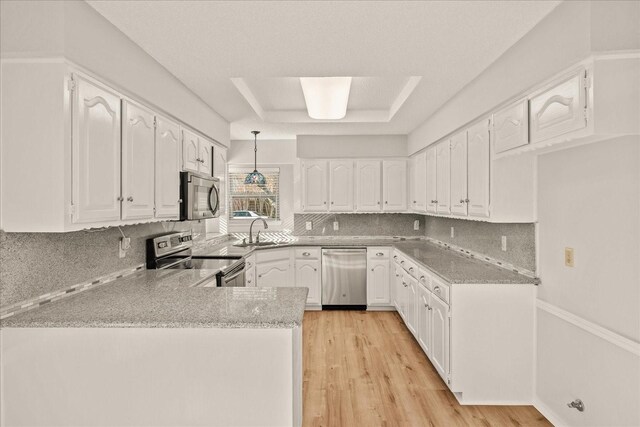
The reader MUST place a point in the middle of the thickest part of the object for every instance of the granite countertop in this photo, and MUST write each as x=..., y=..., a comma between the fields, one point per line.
x=450, y=265
x=169, y=299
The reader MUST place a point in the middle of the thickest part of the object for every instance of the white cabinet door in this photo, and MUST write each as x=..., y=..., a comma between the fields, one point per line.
x=511, y=127
x=459, y=174
x=423, y=308
x=273, y=274
x=190, y=151
x=559, y=110
x=308, y=275
x=368, y=186
x=419, y=182
x=443, y=180
x=411, y=299
x=205, y=153
x=341, y=186
x=432, y=180
x=478, y=149
x=378, y=282
x=440, y=337
x=167, y=168
x=394, y=185
x=314, y=185
x=138, y=165
x=96, y=153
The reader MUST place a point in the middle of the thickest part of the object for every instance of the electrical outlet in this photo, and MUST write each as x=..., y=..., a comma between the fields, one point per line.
x=568, y=257
x=416, y=224
x=504, y=243
x=308, y=225
x=336, y=226
x=124, y=246
x=453, y=233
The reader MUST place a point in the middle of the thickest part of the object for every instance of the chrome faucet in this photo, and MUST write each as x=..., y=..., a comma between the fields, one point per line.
x=251, y=228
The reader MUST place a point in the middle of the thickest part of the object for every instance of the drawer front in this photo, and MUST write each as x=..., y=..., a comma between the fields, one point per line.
x=308, y=253
x=378, y=253
x=269, y=255
x=440, y=289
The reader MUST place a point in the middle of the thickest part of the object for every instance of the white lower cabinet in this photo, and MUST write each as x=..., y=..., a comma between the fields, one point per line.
x=471, y=333
x=378, y=277
x=273, y=274
x=309, y=274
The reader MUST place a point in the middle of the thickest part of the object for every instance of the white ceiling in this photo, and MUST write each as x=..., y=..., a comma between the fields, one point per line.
x=408, y=57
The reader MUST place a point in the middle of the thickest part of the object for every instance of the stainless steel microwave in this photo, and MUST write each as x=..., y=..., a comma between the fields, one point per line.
x=200, y=196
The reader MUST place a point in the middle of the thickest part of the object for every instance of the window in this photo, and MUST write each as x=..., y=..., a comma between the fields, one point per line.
x=250, y=201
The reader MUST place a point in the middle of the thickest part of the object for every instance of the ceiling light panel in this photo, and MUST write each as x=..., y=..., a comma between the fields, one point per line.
x=326, y=97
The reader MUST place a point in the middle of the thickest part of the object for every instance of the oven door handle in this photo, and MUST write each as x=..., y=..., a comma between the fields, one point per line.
x=230, y=278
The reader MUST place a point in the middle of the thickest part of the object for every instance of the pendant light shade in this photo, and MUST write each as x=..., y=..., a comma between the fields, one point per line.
x=255, y=177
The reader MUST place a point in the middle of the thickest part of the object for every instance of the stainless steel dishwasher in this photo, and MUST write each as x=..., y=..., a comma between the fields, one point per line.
x=344, y=278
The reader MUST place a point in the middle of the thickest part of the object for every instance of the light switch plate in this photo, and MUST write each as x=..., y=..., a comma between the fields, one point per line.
x=568, y=257
x=308, y=225
x=416, y=224
x=124, y=246
x=336, y=226
x=504, y=243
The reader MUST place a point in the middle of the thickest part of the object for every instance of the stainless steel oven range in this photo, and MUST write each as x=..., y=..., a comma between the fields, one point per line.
x=174, y=251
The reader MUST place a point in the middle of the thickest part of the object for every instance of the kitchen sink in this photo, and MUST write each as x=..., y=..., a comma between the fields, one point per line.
x=250, y=245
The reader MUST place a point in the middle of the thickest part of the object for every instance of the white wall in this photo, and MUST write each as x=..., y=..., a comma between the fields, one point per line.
x=588, y=327
x=75, y=30
x=351, y=146
x=271, y=154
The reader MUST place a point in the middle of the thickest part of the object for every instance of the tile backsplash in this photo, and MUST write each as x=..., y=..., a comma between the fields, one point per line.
x=390, y=224
x=33, y=264
x=486, y=238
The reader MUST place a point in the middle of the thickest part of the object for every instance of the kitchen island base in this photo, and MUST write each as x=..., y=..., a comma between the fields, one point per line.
x=151, y=376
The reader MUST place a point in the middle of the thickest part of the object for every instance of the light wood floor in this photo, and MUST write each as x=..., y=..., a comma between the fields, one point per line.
x=366, y=369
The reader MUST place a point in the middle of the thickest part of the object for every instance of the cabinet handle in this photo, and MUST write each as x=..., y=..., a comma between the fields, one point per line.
x=130, y=199
x=120, y=199
x=305, y=254
x=461, y=200
x=422, y=278
x=577, y=404
x=315, y=269
x=372, y=269
x=405, y=285
x=395, y=257
x=414, y=202
x=248, y=265
x=331, y=202
x=466, y=200
x=379, y=254
x=324, y=203
x=410, y=269
x=378, y=201
x=386, y=202
x=197, y=159
x=179, y=200
x=437, y=289
x=249, y=281
x=402, y=262
x=426, y=306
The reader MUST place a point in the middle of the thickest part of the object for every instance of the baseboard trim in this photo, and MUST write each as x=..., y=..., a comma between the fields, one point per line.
x=597, y=330
x=381, y=308
x=551, y=416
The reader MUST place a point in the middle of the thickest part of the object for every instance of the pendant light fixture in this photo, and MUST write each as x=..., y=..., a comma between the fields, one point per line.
x=255, y=177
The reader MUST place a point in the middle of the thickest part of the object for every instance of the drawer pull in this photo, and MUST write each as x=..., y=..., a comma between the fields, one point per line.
x=248, y=265
x=306, y=254
x=249, y=281
x=410, y=269
x=380, y=254
x=402, y=262
x=437, y=289
x=422, y=278
x=577, y=404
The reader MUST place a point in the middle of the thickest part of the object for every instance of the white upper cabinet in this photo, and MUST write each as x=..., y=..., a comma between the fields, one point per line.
x=459, y=174
x=341, y=185
x=190, y=151
x=138, y=142
x=511, y=127
x=314, y=185
x=206, y=157
x=432, y=180
x=419, y=182
x=478, y=152
x=167, y=168
x=443, y=180
x=394, y=185
x=96, y=153
x=559, y=110
x=368, y=186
